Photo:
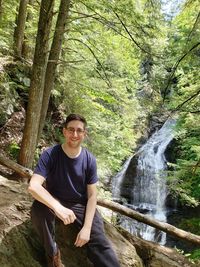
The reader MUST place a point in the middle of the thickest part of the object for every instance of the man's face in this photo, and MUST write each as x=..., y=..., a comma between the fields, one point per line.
x=74, y=133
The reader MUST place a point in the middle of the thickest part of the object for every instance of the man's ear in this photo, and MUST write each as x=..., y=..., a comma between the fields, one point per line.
x=64, y=131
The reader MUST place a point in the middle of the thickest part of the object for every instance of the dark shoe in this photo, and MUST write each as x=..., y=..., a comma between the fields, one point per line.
x=55, y=261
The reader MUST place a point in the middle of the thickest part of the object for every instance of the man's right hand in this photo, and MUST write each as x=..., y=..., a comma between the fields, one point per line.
x=41, y=194
x=65, y=214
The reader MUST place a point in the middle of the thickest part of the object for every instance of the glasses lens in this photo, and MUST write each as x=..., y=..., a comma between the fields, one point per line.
x=78, y=131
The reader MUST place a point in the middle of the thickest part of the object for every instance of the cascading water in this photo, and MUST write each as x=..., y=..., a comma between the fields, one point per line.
x=149, y=190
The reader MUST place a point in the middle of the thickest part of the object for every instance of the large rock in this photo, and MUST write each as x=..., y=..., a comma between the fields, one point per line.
x=20, y=247
x=154, y=255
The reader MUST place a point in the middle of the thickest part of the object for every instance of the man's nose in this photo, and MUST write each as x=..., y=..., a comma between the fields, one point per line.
x=75, y=133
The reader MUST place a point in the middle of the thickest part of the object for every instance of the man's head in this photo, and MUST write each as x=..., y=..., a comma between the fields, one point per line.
x=74, y=130
x=76, y=117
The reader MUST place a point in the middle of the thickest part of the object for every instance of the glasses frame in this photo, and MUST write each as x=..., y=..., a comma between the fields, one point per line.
x=78, y=131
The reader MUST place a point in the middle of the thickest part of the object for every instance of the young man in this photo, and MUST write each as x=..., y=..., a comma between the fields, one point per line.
x=69, y=172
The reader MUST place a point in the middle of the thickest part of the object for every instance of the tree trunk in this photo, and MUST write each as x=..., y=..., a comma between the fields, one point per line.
x=53, y=59
x=1, y=9
x=30, y=133
x=168, y=228
x=26, y=50
x=20, y=27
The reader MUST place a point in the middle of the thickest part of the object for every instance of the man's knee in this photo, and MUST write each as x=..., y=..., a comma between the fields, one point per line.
x=41, y=213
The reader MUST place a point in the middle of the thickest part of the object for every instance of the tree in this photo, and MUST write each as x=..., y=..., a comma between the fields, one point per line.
x=20, y=27
x=53, y=60
x=30, y=133
x=25, y=46
x=1, y=7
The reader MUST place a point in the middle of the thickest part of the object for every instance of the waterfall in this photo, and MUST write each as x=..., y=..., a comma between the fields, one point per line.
x=149, y=189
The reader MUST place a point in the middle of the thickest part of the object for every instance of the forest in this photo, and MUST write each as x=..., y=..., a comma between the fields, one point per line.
x=127, y=66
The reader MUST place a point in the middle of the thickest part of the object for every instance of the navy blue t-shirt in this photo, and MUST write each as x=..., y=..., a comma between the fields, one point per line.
x=67, y=178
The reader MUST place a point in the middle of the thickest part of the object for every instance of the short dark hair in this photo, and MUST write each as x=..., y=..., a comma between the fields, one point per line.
x=76, y=117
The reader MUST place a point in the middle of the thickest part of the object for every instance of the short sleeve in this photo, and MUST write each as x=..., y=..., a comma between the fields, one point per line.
x=43, y=166
x=92, y=177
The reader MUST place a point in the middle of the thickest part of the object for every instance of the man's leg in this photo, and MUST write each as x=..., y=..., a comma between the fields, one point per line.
x=43, y=221
x=99, y=249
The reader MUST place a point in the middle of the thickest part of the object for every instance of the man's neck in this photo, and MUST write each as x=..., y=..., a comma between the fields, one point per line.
x=71, y=152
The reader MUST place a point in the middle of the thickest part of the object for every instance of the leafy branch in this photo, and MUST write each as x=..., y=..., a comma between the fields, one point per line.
x=175, y=68
x=194, y=26
x=187, y=100
x=106, y=79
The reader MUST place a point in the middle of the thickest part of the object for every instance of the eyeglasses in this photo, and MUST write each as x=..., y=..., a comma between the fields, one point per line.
x=79, y=131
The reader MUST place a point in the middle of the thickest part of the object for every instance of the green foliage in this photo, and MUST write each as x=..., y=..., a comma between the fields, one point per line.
x=183, y=97
x=7, y=24
x=195, y=256
x=100, y=82
x=185, y=177
x=13, y=150
x=119, y=59
x=14, y=83
x=8, y=98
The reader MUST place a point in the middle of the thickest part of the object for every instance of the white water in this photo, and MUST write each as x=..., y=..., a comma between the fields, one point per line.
x=150, y=191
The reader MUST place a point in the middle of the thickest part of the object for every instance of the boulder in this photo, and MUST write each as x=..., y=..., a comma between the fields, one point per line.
x=19, y=244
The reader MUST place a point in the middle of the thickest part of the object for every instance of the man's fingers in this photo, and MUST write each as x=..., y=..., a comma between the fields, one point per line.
x=69, y=219
x=72, y=218
x=80, y=242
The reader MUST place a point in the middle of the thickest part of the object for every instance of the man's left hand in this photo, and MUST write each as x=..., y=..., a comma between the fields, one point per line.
x=83, y=237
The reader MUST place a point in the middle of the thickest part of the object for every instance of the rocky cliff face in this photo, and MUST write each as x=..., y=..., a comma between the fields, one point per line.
x=19, y=245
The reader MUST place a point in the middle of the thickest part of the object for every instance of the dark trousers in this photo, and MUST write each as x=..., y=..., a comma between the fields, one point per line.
x=99, y=250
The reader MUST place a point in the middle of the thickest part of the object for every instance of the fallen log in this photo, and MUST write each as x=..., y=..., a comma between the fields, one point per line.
x=165, y=227
x=21, y=170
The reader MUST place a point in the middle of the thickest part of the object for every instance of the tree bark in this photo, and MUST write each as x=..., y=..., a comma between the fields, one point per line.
x=53, y=59
x=24, y=172
x=165, y=227
x=26, y=50
x=1, y=9
x=20, y=27
x=30, y=133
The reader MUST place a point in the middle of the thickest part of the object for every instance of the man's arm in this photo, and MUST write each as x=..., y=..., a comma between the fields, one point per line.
x=42, y=195
x=84, y=235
